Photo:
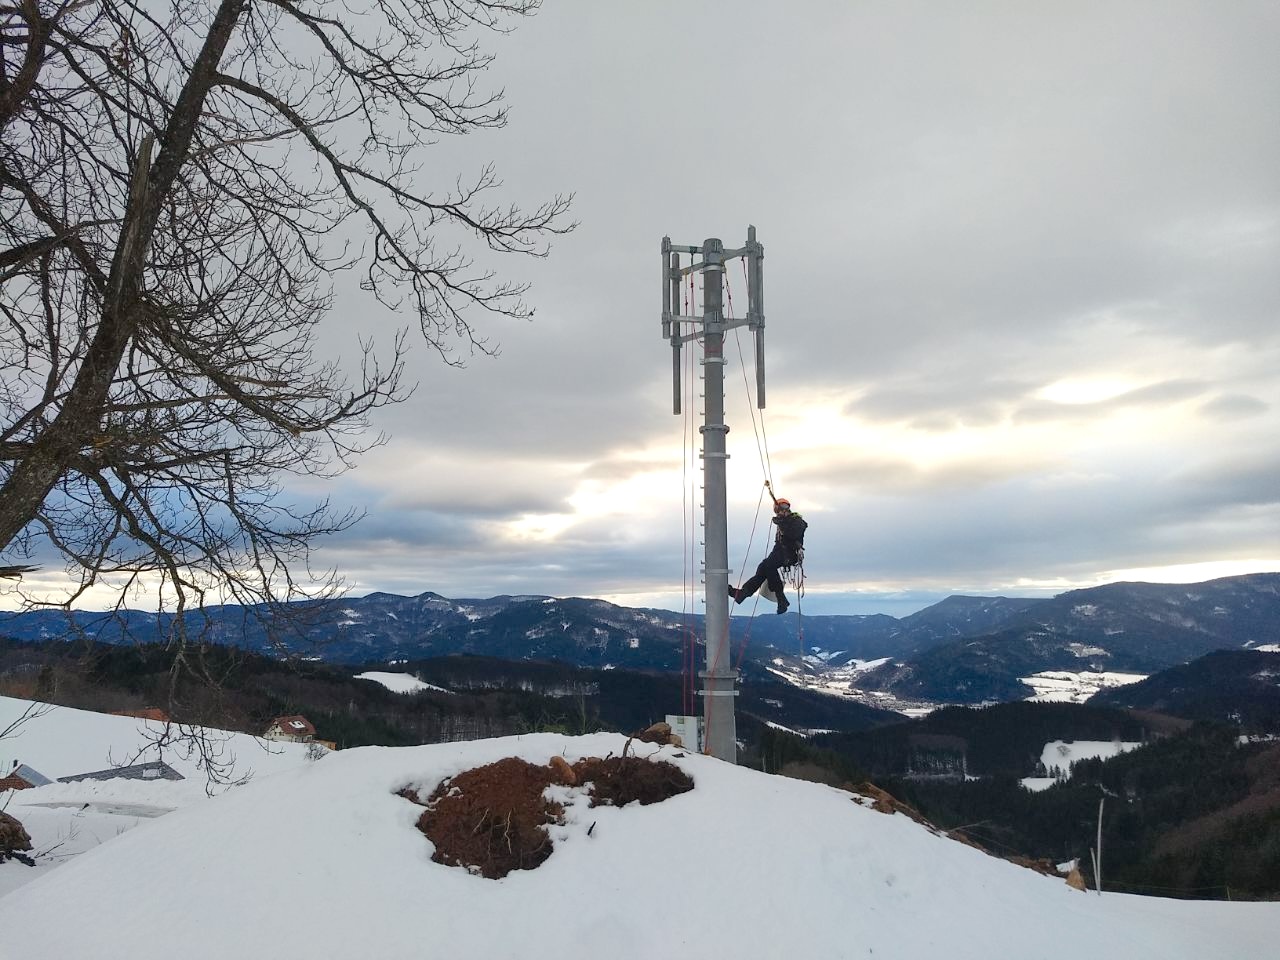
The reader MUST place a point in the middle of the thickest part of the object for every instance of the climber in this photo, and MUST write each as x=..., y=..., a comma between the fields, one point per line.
x=788, y=549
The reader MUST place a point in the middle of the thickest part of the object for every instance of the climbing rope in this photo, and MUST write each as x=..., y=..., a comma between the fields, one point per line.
x=762, y=439
x=794, y=575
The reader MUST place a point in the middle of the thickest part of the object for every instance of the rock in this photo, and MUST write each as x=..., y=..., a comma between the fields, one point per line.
x=1075, y=879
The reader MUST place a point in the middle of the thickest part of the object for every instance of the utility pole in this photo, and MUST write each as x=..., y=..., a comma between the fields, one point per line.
x=720, y=732
x=1097, y=853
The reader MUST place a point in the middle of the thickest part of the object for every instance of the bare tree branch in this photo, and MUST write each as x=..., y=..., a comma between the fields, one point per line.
x=178, y=186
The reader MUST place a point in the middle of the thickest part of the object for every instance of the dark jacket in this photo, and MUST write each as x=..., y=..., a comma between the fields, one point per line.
x=790, y=534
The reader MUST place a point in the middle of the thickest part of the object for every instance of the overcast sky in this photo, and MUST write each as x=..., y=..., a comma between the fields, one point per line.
x=1021, y=267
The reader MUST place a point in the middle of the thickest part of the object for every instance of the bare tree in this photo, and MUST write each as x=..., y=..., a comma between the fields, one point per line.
x=34, y=710
x=178, y=183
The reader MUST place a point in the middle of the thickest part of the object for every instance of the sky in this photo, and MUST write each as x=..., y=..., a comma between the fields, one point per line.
x=1021, y=313
x=321, y=859
x=1022, y=306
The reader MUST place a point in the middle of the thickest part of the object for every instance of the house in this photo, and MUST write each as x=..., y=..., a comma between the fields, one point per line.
x=152, y=770
x=294, y=729
x=22, y=777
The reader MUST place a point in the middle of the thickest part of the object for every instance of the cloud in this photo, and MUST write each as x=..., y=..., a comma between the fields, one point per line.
x=1233, y=406
x=1021, y=303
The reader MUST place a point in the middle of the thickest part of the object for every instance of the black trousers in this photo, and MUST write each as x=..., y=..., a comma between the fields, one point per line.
x=778, y=558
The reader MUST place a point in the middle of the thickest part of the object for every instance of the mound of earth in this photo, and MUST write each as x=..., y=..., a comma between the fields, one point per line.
x=14, y=839
x=493, y=819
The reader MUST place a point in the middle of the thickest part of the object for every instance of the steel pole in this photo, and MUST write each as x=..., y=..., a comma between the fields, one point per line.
x=719, y=679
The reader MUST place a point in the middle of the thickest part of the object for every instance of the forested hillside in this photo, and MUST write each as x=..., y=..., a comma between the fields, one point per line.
x=1230, y=686
x=483, y=697
x=1003, y=740
x=1193, y=814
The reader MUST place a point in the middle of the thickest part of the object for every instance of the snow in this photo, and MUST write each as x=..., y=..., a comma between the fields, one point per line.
x=1082, y=650
x=745, y=865
x=399, y=682
x=1063, y=753
x=67, y=819
x=1036, y=784
x=65, y=742
x=1075, y=686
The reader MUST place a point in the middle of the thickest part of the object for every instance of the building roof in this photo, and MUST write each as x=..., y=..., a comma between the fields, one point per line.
x=152, y=770
x=27, y=775
x=297, y=726
x=33, y=777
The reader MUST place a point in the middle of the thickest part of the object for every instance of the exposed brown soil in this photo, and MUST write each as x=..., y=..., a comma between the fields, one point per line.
x=617, y=781
x=493, y=819
x=13, y=839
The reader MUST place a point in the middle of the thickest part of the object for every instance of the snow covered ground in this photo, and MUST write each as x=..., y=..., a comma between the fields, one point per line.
x=321, y=860
x=399, y=682
x=1058, y=756
x=846, y=680
x=68, y=819
x=1075, y=687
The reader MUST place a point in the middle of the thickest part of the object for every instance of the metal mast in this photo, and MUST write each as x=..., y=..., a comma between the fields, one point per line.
x=708, y=328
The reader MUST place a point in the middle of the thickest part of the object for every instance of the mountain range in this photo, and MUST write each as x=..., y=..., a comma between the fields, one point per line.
x=962, y=650
x=1132, y=627
x=1227, y=686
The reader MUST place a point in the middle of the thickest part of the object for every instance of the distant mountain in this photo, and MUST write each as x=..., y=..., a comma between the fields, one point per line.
x=1149, y=626
x=384, y=627
x=1238, y=686
x=590, y=633
x=963, y=649
x=960, y=616
x=1136, y=627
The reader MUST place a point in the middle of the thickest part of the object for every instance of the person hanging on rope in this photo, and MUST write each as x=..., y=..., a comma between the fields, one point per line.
x=788, y=549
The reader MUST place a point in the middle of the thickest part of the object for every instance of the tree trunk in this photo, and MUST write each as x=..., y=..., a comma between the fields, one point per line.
x=79, y=419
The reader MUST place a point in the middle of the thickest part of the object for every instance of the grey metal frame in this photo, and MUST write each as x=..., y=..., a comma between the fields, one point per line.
x=719, y=678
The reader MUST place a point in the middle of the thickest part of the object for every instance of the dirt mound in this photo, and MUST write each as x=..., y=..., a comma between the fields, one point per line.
x=493, y=819
x=13, y=839
x=619, y=780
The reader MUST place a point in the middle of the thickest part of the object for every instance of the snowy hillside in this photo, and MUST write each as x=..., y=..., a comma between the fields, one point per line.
x=1058, y=756
x=67, y=819
x=1068, y=686
x=324, y=861
x=399, y=682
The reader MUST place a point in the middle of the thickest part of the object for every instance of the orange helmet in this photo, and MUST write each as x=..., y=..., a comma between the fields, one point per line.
x=782, y=503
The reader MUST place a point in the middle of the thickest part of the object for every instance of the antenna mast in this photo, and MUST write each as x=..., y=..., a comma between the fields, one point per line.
x=708, y=328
